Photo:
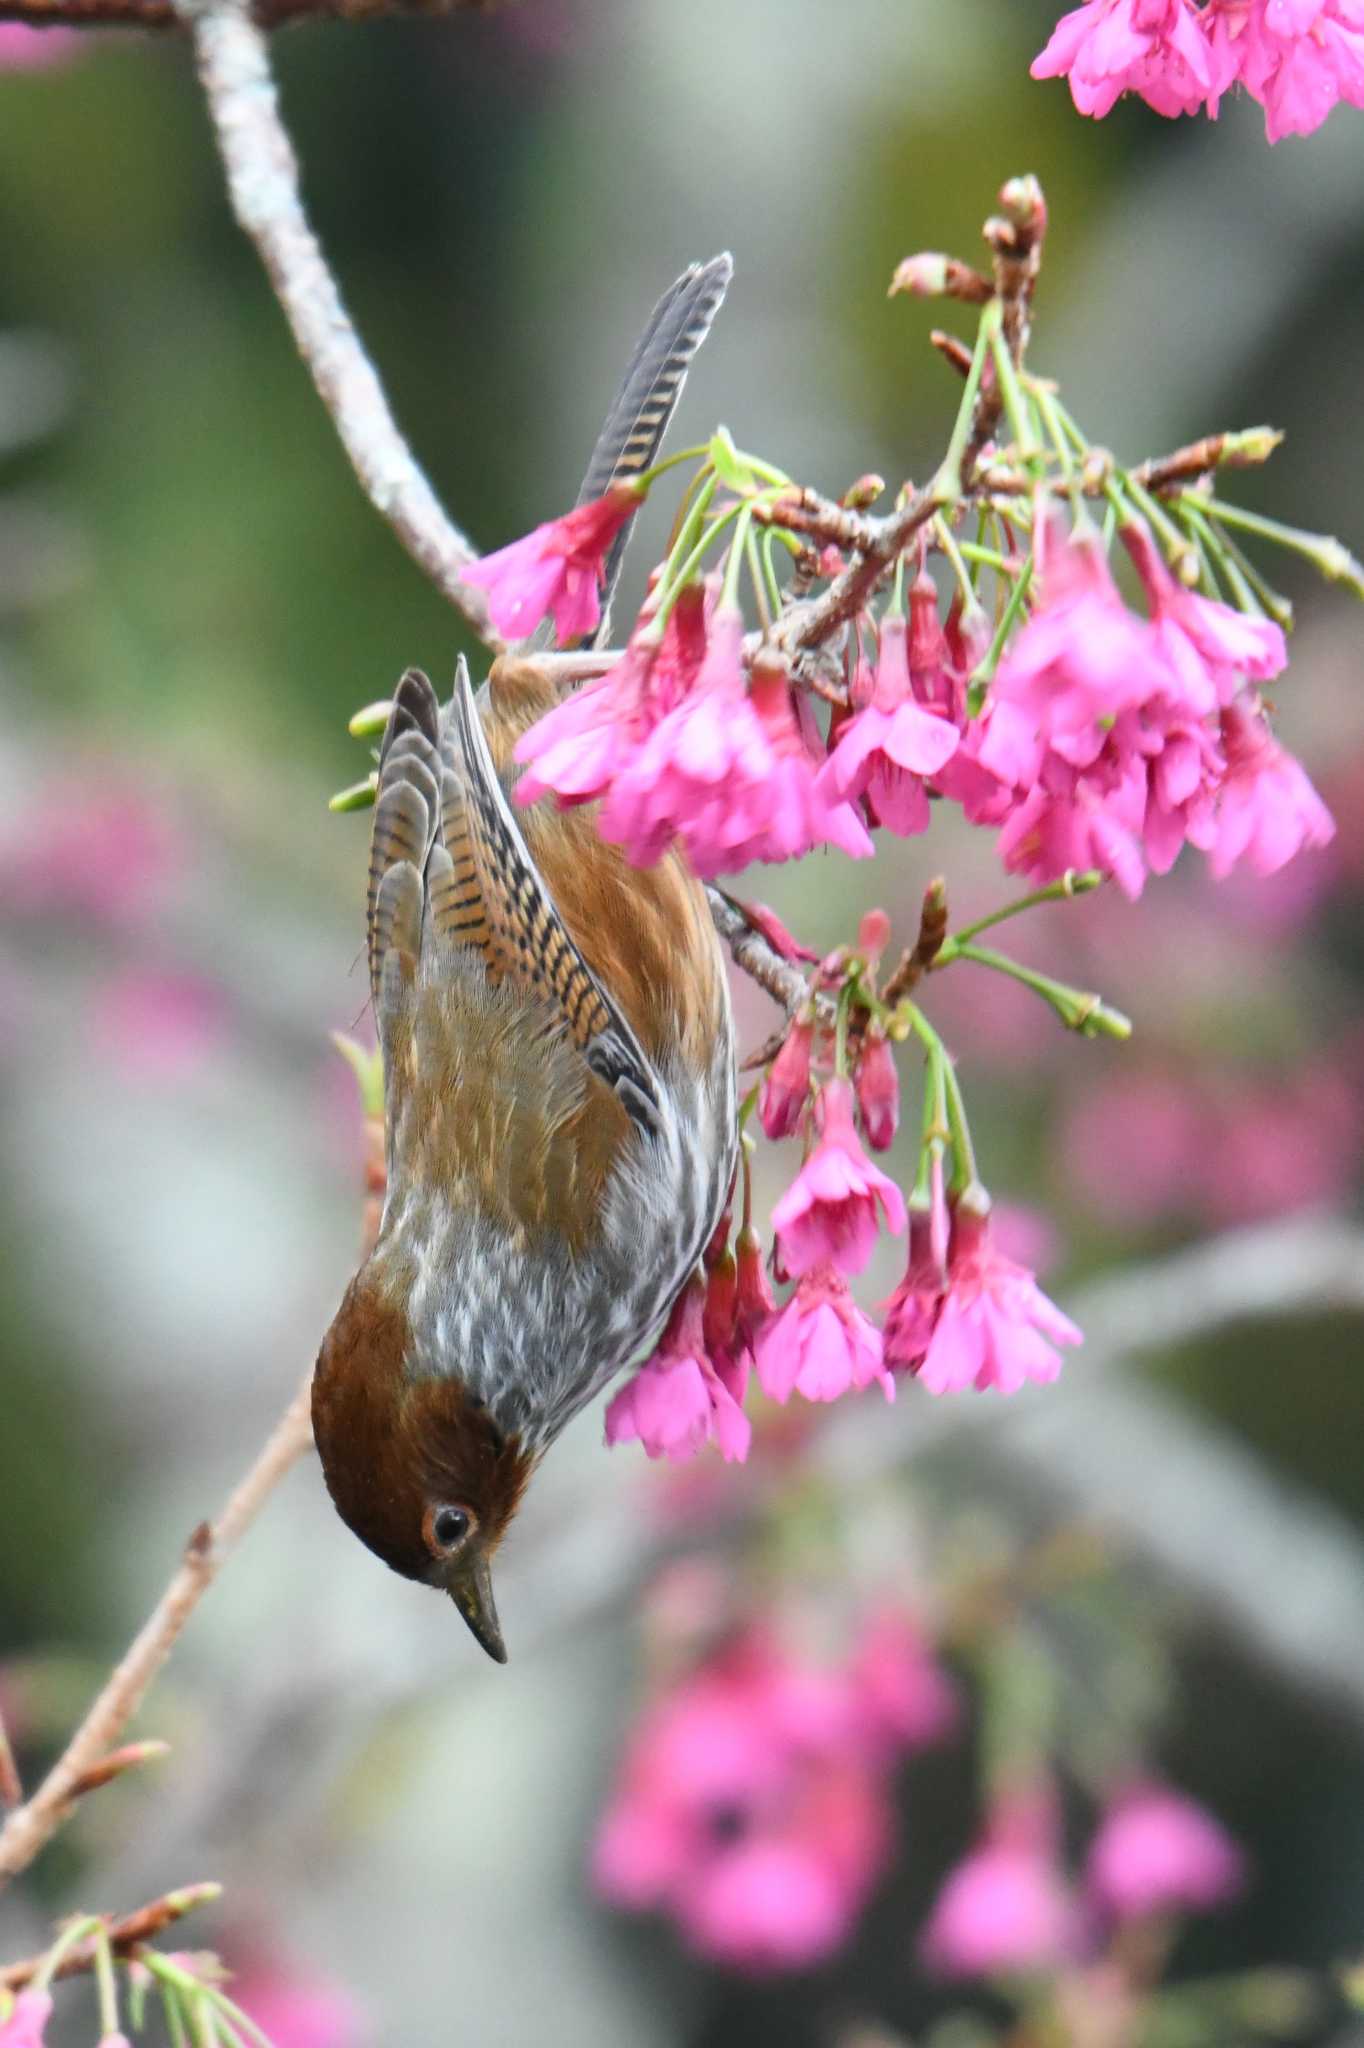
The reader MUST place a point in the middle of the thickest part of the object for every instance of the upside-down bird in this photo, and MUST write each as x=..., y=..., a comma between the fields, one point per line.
x=559, y=1095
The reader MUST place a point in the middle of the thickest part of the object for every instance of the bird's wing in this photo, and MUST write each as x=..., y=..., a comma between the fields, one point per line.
x=530, y=942
x=406, y=827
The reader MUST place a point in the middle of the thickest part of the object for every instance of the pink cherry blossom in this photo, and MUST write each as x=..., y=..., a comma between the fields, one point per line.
x=828, y=1214
x=1131, y=1147
x=800, y=813
x=911, y=1313
x=903, y=1691
x=820, y=1345
x=996, y=1328
x=878, y=1089
x=1157, y=48
x=1003, y=1909
x=754, y=1304
x=785, y=1093
x=1296, y=57
x=1267, y=808
x=577, y=749
x=1159, y=1852
x=886, y=749
x=679, y=1399
x=24, y=2024
x=559, y=567
x=1224, y=641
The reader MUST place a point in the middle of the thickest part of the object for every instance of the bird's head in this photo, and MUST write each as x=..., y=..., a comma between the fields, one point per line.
x=415, y=1465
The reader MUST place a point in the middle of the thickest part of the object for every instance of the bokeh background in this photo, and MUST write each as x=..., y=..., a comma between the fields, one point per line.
x=194, y=597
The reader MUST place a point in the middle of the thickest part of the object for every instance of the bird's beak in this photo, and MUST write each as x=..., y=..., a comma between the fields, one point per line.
x=472, y=1593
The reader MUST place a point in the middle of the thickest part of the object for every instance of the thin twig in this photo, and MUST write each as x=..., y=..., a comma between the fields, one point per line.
x=124, y=1933
x=916, y=961
x=33, y=1824
x=263, y=183
x=267, y=14
x=752, y=952
x=807, y=625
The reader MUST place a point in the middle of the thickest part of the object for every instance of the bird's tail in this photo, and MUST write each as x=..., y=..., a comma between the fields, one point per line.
x=642, y=408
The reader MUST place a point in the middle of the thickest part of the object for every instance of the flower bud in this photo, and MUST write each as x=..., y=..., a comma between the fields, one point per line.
x=717, y=1320
x=786, y=1085
x=754, y=1301
x=878, y=1089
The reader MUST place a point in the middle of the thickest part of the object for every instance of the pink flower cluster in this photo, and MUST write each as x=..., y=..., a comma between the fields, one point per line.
x=1296, y=57
x=1008, y=1909
x=23, y=2022
x=1109, y=740
x=684, y=747
x=753, y=1804
x=963, y=1316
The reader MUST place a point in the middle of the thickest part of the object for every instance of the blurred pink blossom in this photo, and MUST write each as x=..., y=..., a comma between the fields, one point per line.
x=1004, y=1908
x=752, y=1804
x=1157, y=1851
x=95, y=849
x=24, y=2024
x=157, y=1027
x=904, y=1693
x=1129, y=1146
x=35, y=49
x=1268, y=808
x=297, y=2010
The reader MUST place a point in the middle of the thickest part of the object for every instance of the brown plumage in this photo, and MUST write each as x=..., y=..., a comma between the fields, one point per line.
x=559, y=1104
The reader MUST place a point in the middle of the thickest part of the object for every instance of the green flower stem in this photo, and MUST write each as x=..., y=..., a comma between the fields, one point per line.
x=1016, y=407
x=985, y=558
x=757, y=579
x=175, y=2022
x=673, y=461
x=1071, y=883
x=959, y=1131
x=936, y=1132
x=1279, y=607
x=683, y=550
x=769, y=571
x=845, y=1000
x=984, y=673
x=738, y=554
x=204, y=1998
x=75, y=1931
x=1218, y=553
x=105, y=1985
x=947, y=484
x=956, y=557
x=1329, y=556
x=1087, y=1014
x=1045, y=400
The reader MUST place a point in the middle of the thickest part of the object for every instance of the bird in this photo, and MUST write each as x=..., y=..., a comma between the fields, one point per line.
x=559, y=1094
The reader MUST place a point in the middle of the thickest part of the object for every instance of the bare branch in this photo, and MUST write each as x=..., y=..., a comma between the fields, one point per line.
x=267, y=14
x=751, y=952
x=124, y=1934
x=263, y=182
x=33, y=1824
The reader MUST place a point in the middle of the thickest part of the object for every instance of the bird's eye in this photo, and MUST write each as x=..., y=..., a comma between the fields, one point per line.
x=444, y=1527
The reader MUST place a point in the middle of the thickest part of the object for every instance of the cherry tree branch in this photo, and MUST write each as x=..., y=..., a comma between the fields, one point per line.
x=263, y=185
x=30, y=1826
x=124, y=1933
x=266, y=14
